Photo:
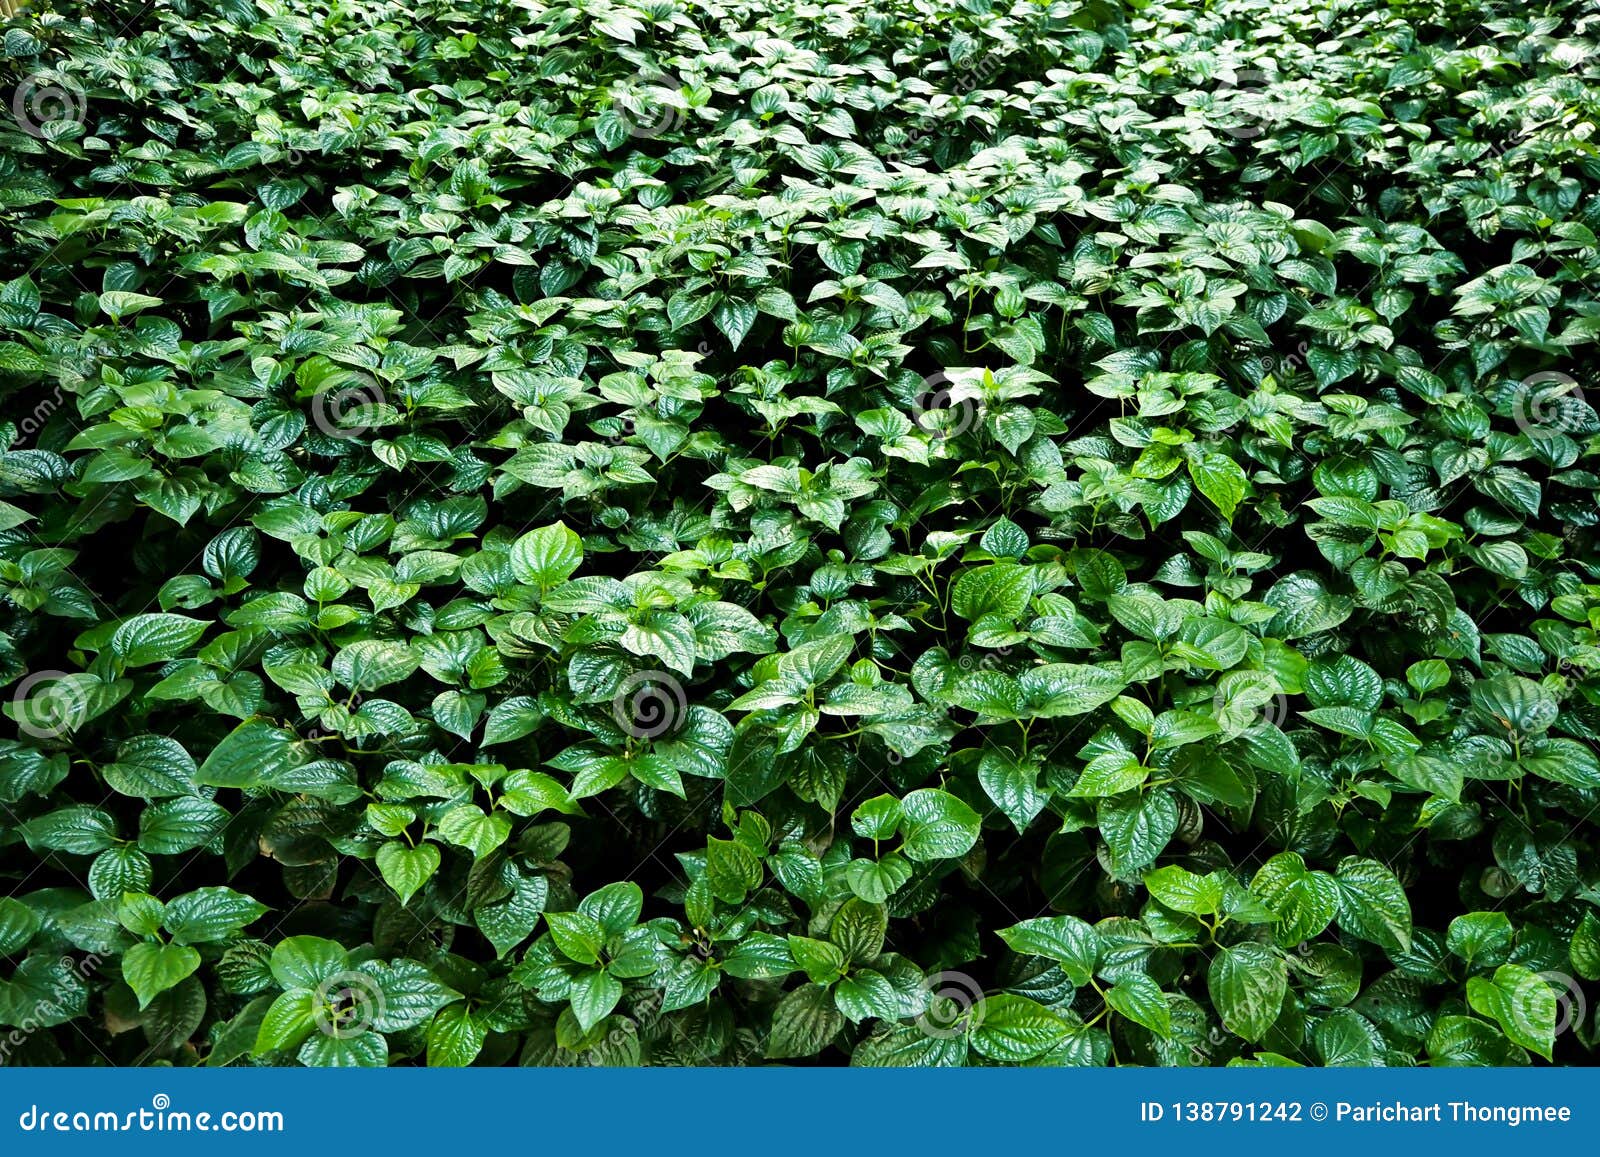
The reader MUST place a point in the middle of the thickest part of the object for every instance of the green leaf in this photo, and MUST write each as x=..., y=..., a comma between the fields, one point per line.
x=151, y=767
x=250, y=756
x=1373, y=905
x=455, y=1038
x=151, y=969
x=407, y=995
x=1510, y=703
x=146, y=639
x=859, y=929
x=79, y=830
x=1304, y=901
x=208, y=914
x=1247, y=983
x=509, y=922
x=1524, y=1003
x=364, y=1050
x=579, y=937
x=468, y=827
x=369, y=664
x=406, y=869
x=1001, y=589
x=1183, y=891
x=732, y=870
x=935, y=825
x=1220, y=479
x=306, y=961
x=1057, y=690
x=594, y=994
x=289, y=1020
x=1013, y=786
x=119, y=870
x=1480, y=938
x=18, y=923
x=1458, y=1041
x=180, y=825
x=615, y=907
x=1013, y=1029
x=1585, y=947
x=908, y=1046
x=877, y=818
x=1067, y=940
x=818, y=959
x=663, y=635
x=546, y=556
x=1141, y=1000
x=803, y=1023
x=866, y=994
x=1137, y=827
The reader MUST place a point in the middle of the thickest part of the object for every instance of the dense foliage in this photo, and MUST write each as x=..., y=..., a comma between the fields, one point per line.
x=639, y=531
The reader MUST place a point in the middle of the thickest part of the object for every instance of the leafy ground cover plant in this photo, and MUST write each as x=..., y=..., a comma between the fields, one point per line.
x=893, y=533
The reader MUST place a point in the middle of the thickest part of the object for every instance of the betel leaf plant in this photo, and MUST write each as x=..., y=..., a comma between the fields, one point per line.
x=948, y=532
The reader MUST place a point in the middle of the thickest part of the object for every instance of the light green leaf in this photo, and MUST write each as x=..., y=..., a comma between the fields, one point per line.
x=151, y=969
x=1247, y=984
